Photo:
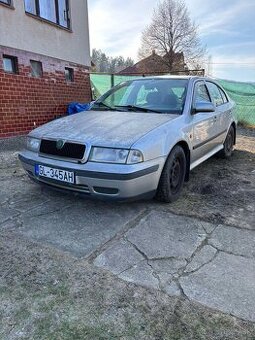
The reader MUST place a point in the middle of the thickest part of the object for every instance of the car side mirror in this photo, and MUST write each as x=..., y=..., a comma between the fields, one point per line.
x=203, y=107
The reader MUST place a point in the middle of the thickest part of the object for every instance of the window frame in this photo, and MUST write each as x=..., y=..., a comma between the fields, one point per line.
x=71, y=70
x=38, y=62
x=14, y=61
x=195, y=85
x=223, y=95
x=201, y=83
x=219, y=89
x=57, y=22
x=8, y=4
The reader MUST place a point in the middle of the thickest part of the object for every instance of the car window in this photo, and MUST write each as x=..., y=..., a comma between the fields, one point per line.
x=142, y=95
x=162, y=95
x=223, y=95
x=215, y=94
x=121, y=96
x=201, y=94
x=150, y=95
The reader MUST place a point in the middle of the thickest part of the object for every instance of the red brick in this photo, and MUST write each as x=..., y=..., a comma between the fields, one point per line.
x=25, y=100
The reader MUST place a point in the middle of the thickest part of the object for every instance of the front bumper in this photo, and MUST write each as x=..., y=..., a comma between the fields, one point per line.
x=105, y=181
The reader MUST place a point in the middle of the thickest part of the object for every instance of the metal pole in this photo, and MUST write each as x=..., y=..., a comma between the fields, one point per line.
x=112, y=80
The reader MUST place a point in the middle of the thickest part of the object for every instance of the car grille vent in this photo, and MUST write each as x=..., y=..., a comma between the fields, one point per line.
x=62, y=149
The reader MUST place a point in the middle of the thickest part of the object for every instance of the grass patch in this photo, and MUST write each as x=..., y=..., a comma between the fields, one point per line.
x=71, y=331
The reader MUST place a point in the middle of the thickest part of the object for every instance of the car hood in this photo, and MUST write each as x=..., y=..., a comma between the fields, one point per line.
x=103, y=128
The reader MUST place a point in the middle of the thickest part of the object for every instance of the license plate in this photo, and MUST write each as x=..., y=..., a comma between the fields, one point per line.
x=56, y=174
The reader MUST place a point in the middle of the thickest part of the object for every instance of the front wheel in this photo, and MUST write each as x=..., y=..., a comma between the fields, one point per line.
x=228, y=145
x=172, y=177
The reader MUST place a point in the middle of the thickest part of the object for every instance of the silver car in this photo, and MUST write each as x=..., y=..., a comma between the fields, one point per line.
x=140, y=139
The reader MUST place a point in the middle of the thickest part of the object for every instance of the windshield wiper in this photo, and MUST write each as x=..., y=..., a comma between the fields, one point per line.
x=102, y=105
x=137, y=108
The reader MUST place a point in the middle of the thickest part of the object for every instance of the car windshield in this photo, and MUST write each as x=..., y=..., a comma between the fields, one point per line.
x=146, y=95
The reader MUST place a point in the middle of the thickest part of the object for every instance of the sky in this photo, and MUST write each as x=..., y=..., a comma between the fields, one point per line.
x=226, y=28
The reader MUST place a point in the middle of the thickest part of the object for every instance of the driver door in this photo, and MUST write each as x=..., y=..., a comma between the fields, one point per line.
x=204, y=124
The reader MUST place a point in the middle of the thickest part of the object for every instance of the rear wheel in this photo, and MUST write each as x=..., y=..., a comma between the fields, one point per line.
x=172, y=177
x=228, y=145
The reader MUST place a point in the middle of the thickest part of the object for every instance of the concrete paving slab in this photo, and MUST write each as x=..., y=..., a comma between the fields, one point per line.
x=119, y=257
x=6, y=213
x=14, y=187
x=167, y=242
x=27, y=202
x=80, y=229
x=167, y=265
x=209, y=227
x=141, y=274
x=168, y=283
x=46, y=208
x=227, y=284
x=234, y=240
x=172, y=289
x=202, y=257
x=163, y=234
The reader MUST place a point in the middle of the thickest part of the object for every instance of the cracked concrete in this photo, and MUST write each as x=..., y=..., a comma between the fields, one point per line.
x=119, y=258
x=234, y=240
x=167, y=235
x=89, y=230
x=202, y=257
x=141, y=274
x=227, y=283
x=186, y=257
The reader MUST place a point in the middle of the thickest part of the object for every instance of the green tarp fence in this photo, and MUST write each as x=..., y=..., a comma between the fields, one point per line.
x=242, y=93
x=101, y=83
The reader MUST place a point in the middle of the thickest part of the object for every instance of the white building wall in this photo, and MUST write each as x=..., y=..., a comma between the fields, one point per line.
x=21, y=31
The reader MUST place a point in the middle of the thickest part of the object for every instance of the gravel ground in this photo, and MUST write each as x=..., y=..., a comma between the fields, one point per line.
x=49, y=293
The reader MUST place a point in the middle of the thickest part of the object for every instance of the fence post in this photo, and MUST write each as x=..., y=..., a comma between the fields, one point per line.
x=112, y=80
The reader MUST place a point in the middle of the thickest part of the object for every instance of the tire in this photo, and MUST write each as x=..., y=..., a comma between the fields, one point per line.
x=172, y=177
x=228, y=145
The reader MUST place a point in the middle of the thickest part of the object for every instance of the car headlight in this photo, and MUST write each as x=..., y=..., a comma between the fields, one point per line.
x=33, y=144
x=135, y=156
x=118, y=156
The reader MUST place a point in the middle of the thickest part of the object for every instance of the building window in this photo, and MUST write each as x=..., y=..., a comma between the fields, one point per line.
x=30, y=6
x=47, y=10
x=56, y=11
x=69, y=74
x=6, y=2
x=10, y=64
x=36, y=69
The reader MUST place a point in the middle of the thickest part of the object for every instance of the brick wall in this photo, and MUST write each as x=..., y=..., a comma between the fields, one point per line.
x=26, y=102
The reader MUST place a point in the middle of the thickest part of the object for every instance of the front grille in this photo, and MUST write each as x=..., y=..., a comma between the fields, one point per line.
x=67, y=150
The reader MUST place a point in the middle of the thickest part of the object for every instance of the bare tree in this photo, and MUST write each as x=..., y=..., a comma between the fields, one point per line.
x=170, y=32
